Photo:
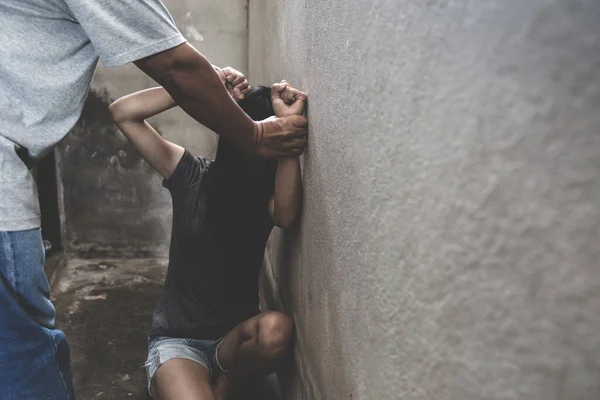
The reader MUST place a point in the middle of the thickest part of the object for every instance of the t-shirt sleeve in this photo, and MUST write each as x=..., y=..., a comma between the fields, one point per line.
x=189, y=171
x=124, y=31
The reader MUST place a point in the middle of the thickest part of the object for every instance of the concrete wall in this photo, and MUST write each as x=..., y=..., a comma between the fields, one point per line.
x=113, y=202
x=450, y=241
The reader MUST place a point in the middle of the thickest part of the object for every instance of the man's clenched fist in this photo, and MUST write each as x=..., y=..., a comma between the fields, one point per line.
x=279, y=137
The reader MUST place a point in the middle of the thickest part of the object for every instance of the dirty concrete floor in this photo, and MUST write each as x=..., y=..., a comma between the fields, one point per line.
x=105, y=309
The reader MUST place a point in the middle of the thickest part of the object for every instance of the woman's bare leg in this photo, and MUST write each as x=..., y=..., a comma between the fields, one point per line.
x=182, y=379
x=253, y=349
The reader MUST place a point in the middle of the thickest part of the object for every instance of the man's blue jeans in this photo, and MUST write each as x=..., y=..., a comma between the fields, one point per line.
x=34, y=355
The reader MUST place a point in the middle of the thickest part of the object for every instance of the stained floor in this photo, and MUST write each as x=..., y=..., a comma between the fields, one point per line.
x=105, y=309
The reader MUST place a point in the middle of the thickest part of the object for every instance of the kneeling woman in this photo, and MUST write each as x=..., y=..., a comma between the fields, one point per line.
x=208, y=336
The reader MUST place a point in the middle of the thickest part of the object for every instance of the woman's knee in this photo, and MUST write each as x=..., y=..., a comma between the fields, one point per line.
x=275, y=332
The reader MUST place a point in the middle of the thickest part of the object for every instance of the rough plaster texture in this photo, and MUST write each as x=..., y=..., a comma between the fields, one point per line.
x=450, y=241
x=112, y=202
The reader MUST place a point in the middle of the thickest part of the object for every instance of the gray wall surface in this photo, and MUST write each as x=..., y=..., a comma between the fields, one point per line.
x=450, y=241
x=113, y=202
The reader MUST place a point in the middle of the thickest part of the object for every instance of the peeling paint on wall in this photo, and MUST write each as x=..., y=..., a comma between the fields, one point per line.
x=113, y=202
x=192, y=32
x=105, y=183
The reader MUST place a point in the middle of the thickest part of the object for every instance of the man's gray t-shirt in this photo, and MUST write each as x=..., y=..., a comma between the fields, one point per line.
x=49, y=50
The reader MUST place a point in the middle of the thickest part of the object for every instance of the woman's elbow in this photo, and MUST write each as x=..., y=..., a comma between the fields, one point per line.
x=121, y=111
x=116, y=111
x=286, y=220
x=282, y=224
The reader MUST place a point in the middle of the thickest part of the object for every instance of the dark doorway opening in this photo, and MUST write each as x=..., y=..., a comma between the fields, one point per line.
x=46, y=179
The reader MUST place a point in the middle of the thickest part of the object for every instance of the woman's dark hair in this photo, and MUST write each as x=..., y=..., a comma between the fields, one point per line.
x=257, y=104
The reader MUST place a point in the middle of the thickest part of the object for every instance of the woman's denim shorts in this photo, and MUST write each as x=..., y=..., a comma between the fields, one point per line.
x=162, y=349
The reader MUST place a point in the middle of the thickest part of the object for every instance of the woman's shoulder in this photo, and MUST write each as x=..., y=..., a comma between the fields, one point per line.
x=188, y=172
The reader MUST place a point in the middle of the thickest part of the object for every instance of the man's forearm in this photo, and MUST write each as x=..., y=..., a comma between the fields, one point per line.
x=197, y=89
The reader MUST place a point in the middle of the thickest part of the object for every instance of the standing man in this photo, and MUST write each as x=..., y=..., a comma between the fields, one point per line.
x=49, y=50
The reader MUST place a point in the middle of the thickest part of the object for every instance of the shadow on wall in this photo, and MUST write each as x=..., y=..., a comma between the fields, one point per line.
x=296, y=280
x=113, y=202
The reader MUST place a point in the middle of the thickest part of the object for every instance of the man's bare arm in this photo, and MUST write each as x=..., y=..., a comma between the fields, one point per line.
x=194, y=84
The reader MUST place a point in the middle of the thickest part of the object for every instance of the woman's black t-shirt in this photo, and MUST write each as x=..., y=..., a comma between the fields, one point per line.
x=220, y=228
